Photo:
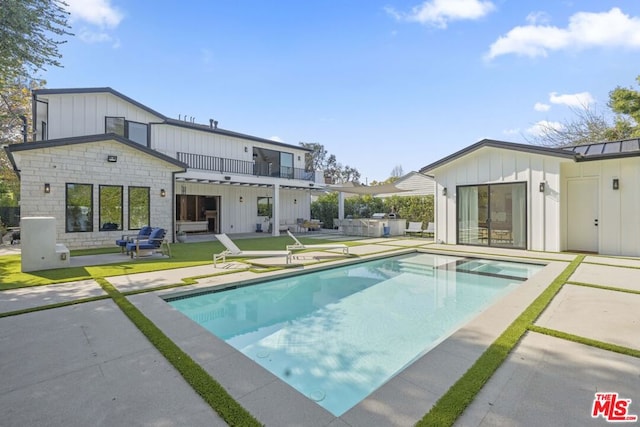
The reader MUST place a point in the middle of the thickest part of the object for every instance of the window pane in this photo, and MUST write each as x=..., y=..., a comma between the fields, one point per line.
x=137, y=132
x=473, y=207
x=138, y=207
x=264, y=206
x=286, y=165
x=79, y=207
x=110, y=207
x=114, y=125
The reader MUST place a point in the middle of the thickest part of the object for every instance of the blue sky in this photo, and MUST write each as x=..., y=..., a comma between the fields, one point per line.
x=379, y=83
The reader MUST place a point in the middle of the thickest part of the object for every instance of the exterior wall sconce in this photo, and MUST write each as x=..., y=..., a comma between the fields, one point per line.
x=163, y=193
x=47, y=188
x=295, y=201
x=444, y=191
x=241, y=199
x=541, y=187
x=227, y=178
x=246, y=149
x=111, y=158
x=616, y=184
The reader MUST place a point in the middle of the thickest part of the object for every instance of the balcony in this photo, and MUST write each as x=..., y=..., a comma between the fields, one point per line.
x=242, y=167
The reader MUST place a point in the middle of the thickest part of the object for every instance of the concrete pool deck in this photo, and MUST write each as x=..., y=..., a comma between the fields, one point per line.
x=86, y=364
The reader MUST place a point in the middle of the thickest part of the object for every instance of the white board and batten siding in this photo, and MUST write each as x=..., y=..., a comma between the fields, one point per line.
x=84, y=113
x=236, y=217
x=170, y=139
x=489, y=165
x=618, y=211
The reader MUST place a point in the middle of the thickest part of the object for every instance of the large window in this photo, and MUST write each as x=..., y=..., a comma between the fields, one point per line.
x=110, y=207
x=79, y=207
x=272, y=163
x=139, y=209
x=265, y=206
x=492, y=215
x=136, y=132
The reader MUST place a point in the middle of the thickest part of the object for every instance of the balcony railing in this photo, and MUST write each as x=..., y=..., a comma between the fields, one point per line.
x=242, y=167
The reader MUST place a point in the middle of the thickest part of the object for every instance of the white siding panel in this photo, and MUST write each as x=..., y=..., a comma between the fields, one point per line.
x=509, y=166
x=488, y=166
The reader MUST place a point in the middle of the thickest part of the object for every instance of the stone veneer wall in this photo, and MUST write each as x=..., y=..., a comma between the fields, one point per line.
x=86, y=163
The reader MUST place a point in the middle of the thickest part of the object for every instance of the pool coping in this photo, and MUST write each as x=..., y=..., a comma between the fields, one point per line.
x=402, y=400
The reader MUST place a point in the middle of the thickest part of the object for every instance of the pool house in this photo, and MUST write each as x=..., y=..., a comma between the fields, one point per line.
x=584, y=198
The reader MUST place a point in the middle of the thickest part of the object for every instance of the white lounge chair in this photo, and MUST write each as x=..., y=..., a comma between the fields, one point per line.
x=298, y=246
x=414, y=228
x=430, y=230
x=234, y=251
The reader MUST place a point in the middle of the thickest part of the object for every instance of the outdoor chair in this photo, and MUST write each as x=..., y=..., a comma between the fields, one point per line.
x=322, y=246
x=155, y=242
x=128, y=238
x=414, y=228
x=234, y=251
x=430, y=230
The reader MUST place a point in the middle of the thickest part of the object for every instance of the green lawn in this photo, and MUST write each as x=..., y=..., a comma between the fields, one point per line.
x=183, y=255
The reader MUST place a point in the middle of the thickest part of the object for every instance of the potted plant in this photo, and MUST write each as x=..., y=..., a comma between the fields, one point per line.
x=181, y=236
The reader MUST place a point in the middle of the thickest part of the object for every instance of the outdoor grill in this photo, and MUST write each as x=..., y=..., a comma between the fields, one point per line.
x=379, y=215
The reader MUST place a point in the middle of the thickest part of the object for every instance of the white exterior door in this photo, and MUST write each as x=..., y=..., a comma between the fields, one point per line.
x=583, y=215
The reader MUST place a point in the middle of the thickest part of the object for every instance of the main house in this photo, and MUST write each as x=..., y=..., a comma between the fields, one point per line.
x=103, y=164
x=583, y=198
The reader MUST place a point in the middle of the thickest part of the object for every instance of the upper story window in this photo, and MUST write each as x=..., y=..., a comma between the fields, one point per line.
x=135, y=131
x=272, y=163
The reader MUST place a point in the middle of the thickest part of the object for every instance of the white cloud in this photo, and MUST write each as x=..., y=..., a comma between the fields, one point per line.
x=440, y=12
x=585, y=30
x=540, y=128
x=578, y=100
x=515, y=131
x=539, y=106
x=96, y=12
x=538, y=18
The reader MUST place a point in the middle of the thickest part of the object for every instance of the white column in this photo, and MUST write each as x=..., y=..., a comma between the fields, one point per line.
x=275, y=219
x=341, y=205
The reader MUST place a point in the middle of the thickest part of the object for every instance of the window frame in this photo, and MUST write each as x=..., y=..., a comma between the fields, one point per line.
x=130, y=225
x=78, y=217
x=100, y=207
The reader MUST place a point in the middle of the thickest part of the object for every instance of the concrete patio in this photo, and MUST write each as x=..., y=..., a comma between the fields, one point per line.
x=87, y=364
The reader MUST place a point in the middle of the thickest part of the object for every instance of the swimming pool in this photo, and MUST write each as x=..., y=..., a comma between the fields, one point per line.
x=337, y=335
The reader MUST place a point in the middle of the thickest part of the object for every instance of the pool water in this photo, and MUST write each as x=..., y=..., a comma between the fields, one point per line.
x=337, y=335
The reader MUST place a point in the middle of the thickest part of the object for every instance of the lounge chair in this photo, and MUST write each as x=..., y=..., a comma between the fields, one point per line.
x=128, y=238
x=322, y=246
x=414, y=228
x=155, y=242
x=430, y=230
x=234, y=251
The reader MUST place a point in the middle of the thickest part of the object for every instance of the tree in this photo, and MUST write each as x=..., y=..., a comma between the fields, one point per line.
x=626, y=101
x=397, y=172
x=334, y=172
x=590, y=125
x=15, y=120
x=315, y=160
x=27, y=31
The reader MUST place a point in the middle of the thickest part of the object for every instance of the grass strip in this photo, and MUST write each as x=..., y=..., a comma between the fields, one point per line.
x=451, y=405
x=586, y=341
x=605, y=288
x=208, y=388
x=51, y=306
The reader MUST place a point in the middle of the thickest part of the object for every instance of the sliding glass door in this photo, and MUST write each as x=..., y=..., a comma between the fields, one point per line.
x=492, y=215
